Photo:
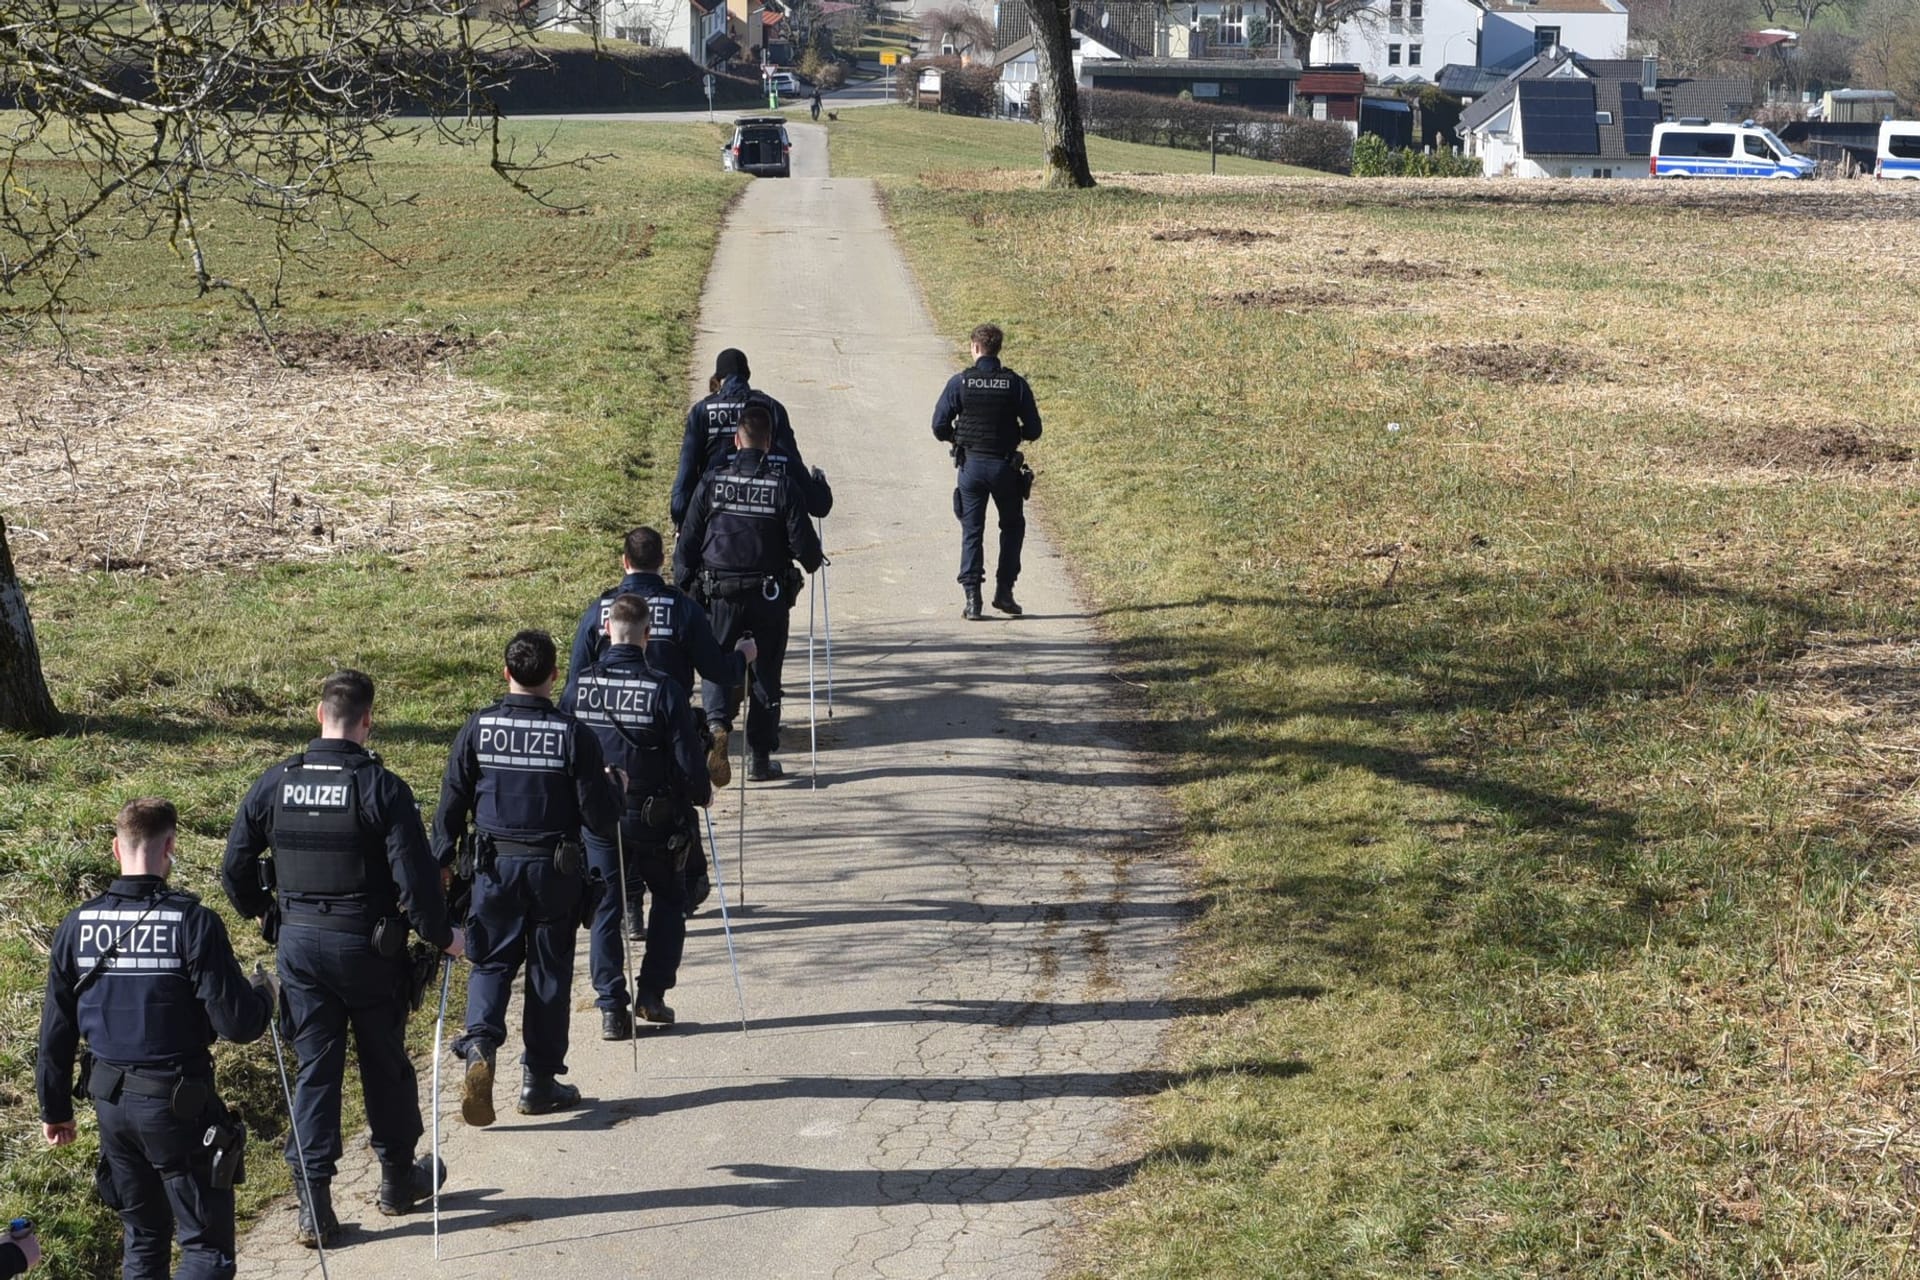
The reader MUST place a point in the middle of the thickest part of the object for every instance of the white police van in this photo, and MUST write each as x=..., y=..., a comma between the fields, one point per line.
x=1899, y=152
x=1694, y=148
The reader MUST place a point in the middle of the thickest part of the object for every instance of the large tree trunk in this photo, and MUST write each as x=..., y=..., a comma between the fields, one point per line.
x=1060, y=123
x=24, y=703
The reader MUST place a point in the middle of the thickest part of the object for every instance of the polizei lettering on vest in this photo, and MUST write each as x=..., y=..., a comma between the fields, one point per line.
x=745, y=496
x=990, y=384
x=313, y=795
x=602, y=698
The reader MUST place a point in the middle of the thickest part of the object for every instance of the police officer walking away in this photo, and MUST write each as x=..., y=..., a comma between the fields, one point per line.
x=529, y=779
x=707, y=441
x=350, y=871
x=745, y=528
x=680, y=641
x=146, y=975
x=645, y=720
x=985, y=412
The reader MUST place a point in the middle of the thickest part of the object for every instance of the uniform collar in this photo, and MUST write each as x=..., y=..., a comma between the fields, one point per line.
x=338, y=746
x=625, y=653
x=748, y=459
x=527, y=700
x=735, y=385
x=640, y=578
x=137, y=886
x=989, y=363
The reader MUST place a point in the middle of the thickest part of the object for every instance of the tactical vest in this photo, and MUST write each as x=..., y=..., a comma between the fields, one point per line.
x=141, y=1006
x=526, y=789
x=746, y=520
x=720, y=420
x=989, y=411
x=625, y=705
x=322, y=848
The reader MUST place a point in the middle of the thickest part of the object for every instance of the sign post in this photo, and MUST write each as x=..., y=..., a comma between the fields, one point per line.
x=889, y=59
x=709, y=82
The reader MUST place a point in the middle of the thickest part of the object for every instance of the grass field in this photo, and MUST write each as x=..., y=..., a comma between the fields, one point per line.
x=900, y=140
x=190, y=683
x=1522, y=580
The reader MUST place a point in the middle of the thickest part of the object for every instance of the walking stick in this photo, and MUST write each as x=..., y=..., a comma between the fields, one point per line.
x=439, y=1031
x=813, y=713
x=826, y=612
x=626, y=940
x=299, y=1143
x=726, y=925
x=746, y=714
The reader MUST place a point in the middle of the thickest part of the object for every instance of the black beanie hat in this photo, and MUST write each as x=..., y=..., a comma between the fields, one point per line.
x=732, y=363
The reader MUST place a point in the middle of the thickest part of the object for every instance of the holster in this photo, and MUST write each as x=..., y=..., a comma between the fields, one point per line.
x=569, y=857
x=422, y=963
x=223, y=1144
x=389, y=937
x=486, y=855
x=270, y=925
x=84, y=1078
x=1026, y=474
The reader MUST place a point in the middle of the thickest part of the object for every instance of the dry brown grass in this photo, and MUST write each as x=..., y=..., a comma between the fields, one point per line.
x=171, y=465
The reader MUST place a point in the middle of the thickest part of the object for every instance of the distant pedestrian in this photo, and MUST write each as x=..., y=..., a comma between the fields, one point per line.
x=985, y=412
x=814, y=106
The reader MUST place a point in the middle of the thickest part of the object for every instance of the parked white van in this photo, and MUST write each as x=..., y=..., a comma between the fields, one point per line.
x=1693, y=148
x=1899, y=154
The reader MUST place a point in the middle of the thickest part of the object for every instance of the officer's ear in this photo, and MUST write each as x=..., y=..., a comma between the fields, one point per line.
x=119, y=858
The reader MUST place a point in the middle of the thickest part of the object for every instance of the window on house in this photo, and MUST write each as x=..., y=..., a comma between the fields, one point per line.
x=1396, y=10
x=1233, y=24
x=1416, y=10
x=1545, y=38
x=1393, y=55
x=1413, y=55
x=1603, y=117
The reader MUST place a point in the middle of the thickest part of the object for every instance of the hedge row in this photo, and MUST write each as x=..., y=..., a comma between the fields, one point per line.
x=1373, y=159
x=1182, y=122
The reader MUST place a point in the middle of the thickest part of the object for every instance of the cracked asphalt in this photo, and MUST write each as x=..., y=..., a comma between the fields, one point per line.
x=955, y=952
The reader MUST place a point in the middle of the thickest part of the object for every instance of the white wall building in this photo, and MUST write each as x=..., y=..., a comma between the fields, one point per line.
x=1404, y=40
x=1512, y=31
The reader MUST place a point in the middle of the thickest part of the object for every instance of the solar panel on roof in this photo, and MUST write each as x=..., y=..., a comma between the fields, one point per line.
x=1637, y=118
x=1557, y=117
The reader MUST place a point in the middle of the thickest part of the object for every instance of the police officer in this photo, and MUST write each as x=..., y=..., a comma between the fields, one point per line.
x=745, y=528
x=708, y=440
x=351, y=869
x=645, y=720
x=985, y=412
x=679, y=642
x=529, y=779
x=145, y=973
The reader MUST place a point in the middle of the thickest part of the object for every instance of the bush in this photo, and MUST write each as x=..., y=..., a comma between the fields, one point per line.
x=1372, y=159
x=1181, y=122
x=966, y=89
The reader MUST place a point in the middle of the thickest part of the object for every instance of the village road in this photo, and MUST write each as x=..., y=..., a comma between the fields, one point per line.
x=955, y=951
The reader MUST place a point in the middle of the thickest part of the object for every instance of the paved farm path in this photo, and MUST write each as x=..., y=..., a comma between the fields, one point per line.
x=955, y=951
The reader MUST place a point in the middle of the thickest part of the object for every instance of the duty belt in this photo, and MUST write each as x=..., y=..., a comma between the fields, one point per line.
x=106, y=1079
x=338, y=922
x=739, y=586
x=505, y=848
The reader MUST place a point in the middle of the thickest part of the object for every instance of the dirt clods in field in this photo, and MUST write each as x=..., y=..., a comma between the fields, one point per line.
x=1216, y=235
x=163, y=464
x=1400, y=269
x=384, y=350
x=1817, y=449
x=1511, y=362
x=1302, y=297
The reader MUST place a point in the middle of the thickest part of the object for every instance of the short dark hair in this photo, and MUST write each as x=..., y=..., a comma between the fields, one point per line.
x=531, y=657
x=628, y=611
x=988, y=338
x=146, y=820
x=644, y=549
x=756, y=424
x=346, y=696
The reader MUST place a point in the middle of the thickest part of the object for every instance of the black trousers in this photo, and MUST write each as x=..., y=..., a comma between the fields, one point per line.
x=524, y=912
x=335, y=983
x=649, y=865
x=768, y=620
x=158, y=1177
x=983, y=479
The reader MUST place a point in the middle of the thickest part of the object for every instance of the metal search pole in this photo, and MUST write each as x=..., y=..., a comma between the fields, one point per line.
x=813, y=710
x=726, y=924
x=439, y=1032
x=299, y=1143
x=626, y=940
x=746, y=714
x=826, y=611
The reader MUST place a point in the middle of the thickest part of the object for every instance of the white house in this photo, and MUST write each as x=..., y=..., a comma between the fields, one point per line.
x=1513, y=31
x=1396, y=41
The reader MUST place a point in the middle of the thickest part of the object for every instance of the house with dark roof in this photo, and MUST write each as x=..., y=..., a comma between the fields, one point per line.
x=1561, y=115
x=1514, y=32
x=1214, y=51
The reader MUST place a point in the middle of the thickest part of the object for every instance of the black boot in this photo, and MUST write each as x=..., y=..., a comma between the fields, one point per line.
x=1003, y=600
x=637, y=921
x=762, y=767
x=317, y=1226
x=653, y=1009
x=972, y=612
x=404, y=1187
x=541, y=1093
x=476, y=1098
x=698, y=890
x=616, y=1024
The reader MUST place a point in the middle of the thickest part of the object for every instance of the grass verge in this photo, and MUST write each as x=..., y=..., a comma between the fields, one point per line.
x=1525, y=595
x=190, y=685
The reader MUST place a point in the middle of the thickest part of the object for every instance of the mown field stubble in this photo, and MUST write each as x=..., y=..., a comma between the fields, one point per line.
x=1523, y=580
x=205, y=534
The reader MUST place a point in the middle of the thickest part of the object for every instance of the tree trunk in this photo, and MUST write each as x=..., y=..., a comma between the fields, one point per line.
x=1060, y=126
x=24, y=703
